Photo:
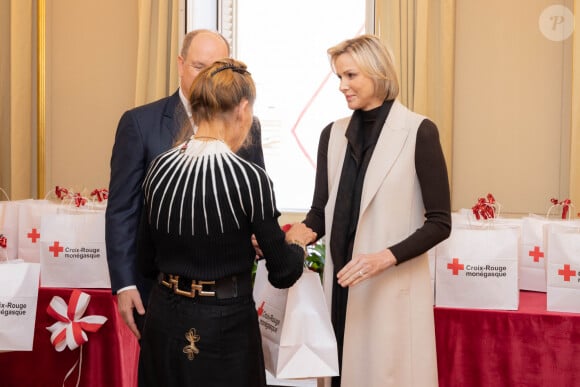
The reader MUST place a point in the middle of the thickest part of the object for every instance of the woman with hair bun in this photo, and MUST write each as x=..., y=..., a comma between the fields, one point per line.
x=202, y=205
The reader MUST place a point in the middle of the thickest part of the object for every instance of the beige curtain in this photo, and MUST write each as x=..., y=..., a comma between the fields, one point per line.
x=4, y=96
x=16, y=98
x=575, y=130
x=157, y=50
x=421, y=34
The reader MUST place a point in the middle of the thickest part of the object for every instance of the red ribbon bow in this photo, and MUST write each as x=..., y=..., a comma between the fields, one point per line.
x=79, y=200
x=3, y=241
x=565, y=206
x=69, y=330
x=484, y=208
x=61, y=193
x=101, y=194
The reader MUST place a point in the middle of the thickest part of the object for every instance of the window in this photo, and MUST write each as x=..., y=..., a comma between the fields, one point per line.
x=284, y=44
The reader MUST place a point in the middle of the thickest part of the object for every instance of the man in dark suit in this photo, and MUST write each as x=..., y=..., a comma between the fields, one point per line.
x=142, y=134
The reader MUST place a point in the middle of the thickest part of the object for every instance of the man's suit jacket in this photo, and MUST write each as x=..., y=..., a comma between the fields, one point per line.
x=142, y=134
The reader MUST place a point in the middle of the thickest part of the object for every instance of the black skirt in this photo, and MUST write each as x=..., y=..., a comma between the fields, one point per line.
x=202, y=342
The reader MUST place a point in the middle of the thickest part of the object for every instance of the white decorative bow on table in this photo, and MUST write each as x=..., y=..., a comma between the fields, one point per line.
x=69, y=330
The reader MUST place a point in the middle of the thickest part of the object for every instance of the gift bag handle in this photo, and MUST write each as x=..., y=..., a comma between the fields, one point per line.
x=5, y=194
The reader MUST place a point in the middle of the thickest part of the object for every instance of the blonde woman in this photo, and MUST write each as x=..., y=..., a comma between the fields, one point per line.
x=382, y=199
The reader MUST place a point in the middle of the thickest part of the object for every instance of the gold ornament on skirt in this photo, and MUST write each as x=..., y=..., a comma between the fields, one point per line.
x=191, y=350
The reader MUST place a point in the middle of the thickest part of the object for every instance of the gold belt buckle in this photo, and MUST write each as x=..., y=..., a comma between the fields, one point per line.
x=196, y=286
x=172, y=280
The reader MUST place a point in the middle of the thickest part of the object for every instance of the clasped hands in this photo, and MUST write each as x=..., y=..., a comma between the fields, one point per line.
x=297, y=233
x=300, y=234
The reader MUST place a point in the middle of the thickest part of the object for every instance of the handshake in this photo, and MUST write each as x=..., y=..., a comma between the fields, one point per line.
x=297, y=234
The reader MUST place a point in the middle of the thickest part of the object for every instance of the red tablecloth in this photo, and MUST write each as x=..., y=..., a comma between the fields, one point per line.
x=109, y=358
x=528, y=347
x=487, y=348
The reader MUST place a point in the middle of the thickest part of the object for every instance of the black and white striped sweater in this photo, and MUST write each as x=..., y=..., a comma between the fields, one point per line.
x=202, y=204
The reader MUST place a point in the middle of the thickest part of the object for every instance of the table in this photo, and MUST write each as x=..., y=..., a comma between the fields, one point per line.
x=109, y=357
x=527, y=347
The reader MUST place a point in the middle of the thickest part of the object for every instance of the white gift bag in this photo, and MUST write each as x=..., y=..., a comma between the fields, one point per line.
x=477, y=267
x=563, y=267
x=532, y=269
x=532, y=272
x=533, y=244
x=18, y=299
x=72, y=251
x=297, y=335
x=30, y=213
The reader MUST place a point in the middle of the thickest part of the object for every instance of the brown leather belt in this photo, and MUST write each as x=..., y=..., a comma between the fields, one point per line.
x=227, y=287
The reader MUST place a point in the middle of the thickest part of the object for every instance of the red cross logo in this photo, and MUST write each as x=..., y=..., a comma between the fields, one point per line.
x=455, y=266
x=55, y=249
x=536, y=253
x=567, y=273
x=33, y=235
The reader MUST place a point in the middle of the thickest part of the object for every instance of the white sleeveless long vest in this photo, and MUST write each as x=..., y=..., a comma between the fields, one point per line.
x=389, y=333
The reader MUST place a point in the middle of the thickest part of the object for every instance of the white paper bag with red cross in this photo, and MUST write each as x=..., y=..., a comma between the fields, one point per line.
x=563, y=267
x=477, y=267
x=72, y=251
x=532, y=265
x=30, y=213
x=297, y=336
x=532, y=272
x=18, y=300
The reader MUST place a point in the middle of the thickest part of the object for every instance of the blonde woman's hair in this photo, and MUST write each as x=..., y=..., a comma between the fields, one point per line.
x=374, y=60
